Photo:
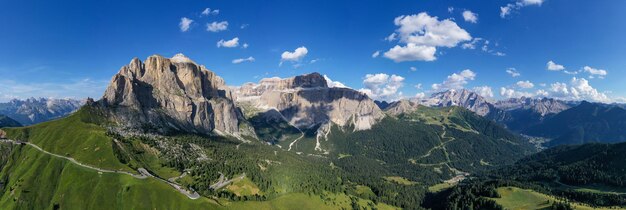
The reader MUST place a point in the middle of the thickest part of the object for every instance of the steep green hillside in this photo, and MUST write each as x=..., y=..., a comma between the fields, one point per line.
x=585, y=123
x=8, y=122
x=33, y=179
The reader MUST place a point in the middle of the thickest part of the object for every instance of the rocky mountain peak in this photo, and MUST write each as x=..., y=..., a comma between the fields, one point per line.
x=463, y=98
x=171, y=94
x=306, y=101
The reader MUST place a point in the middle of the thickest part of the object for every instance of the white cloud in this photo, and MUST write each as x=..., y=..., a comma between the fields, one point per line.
x=245, y=45
x=422, y=34
x=450, y=9
x=581, y=89
x=541, y=93
x=513, y=72
x=228, y=43
x=241, y=60
x=217, y=26
x=332, y=83
x=375, y=54
x=413, y=68
x=296, y=55
x=511, y=93
x=600, y=73
x=455, y=81
x=552, y=66
x=420, y=95
x=578, y=89
x=392, y=37
x=472, y=44
x=418, y=86
x=484, y=91
x=208, y=11
x=243, y=26
x=381, y=86
x=525, y=84
x=506, y=10
x=411, y=52
x=469, y=16
x=184, y=24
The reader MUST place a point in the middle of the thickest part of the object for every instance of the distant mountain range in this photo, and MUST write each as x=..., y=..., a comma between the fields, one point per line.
x=36, y=110
x=585, y=123
x=565, y=122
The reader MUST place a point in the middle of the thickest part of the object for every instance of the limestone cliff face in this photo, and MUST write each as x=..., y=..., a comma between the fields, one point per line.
x=171, y=94
x=306, y=101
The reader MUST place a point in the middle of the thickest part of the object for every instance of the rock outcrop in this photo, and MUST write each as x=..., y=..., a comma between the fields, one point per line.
x=307, y=100
x=401, y=107
x=171, y=94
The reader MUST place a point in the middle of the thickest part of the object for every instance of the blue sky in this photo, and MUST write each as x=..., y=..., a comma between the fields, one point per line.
x=73, y=48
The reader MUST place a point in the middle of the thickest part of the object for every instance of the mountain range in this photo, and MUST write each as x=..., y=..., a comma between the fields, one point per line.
x=36, y=110
x=170, y=131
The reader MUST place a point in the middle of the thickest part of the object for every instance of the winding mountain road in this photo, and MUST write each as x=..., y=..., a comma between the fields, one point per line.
x=143, y=173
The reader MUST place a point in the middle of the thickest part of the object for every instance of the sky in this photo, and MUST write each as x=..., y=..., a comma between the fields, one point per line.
x=567, y=49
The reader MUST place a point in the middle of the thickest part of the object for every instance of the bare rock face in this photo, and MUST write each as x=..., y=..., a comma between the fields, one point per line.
x=543, y=106
x=171, y=94
x=463, y=98
x=402, y=106
x=306, y=101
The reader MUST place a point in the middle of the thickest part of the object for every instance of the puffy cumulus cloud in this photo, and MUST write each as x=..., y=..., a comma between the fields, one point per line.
x=484, y=91
x=513, y=72
x=420, y=95
x=552, y=66
x=217, y=26
x=506, y=10
x=241, y=60
x=455, y=81
x=382, y=86
x=185, y=24
x=581, y=89
x=600, y=73
x=422, y=34
x=228, y=43
x=411, y=52
x=376, y=54
x=245, y=45
x=578, y=89
x=525, y=84
x=512, y=93
x=542, y=93
x=296, y=55
x=332, y=83
x=469, y=16
x=422, y=29
x=208, y=11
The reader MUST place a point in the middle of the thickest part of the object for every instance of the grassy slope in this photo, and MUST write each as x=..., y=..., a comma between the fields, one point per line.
x=73, y=137
x=35, y=180
x=516, y=198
